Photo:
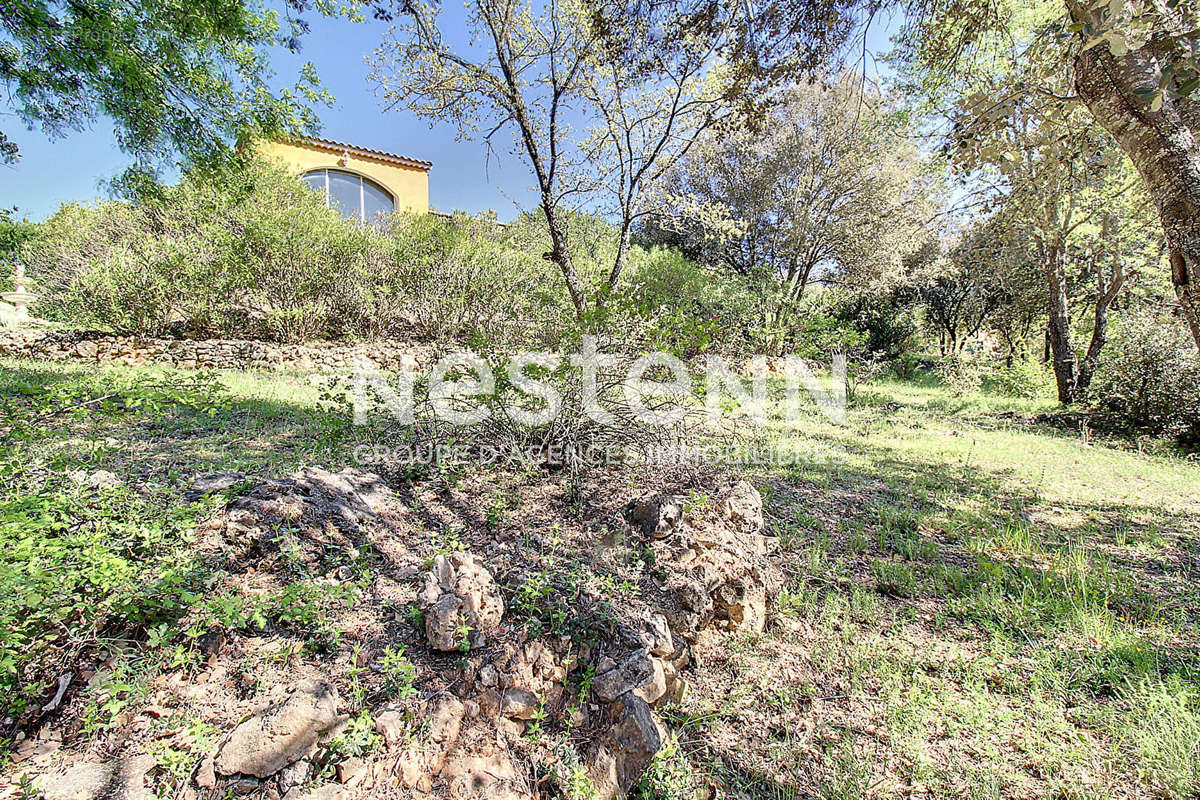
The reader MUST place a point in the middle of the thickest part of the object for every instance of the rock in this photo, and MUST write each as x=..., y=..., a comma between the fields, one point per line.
x=478, y=775
x=409, y=767
x=445, y=714
x=210, y=643
x=130, y=783
x=394, y=725
x=488, y=676
x=656, y=634
x=330, y=791
x=206, y=775
x=639, y=673
x=459, y=591
x=656, y=515
x=280, y=735
x=626, y=747
x=84, y=780
x=674, y=684
x=98, y=479
x=244, y=786
x=723, y=573
x=741, y=603
x=519, y=704
x=295, y=775
x=344, y=499
x=351, y=771
x=653, y=690
x=743, y=508
x=216, y=482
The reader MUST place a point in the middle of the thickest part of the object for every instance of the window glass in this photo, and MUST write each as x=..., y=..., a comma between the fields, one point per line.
x=355, y=197
x=376, y=202
x=317, y=181
x=345, y=194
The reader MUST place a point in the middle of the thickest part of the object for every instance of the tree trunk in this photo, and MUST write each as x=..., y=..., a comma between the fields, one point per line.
x=1104, y=300
x=1162, y=145
x=622, y=254
x=1066, y=368
x=560, y=254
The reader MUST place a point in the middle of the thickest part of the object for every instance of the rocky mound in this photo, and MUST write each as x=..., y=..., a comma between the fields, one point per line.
x=353, y=642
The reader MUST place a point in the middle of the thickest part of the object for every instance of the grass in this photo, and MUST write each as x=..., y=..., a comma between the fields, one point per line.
x=985, y=609
x=976, y=606
x=96, y=546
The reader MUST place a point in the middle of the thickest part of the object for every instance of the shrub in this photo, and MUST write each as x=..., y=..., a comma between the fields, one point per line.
x=1022, y=378
x=260, y=256
x=887, y=327
x=469, y=279
x=12, y=233
x=1150, y=378
x=668, y=302
x=962, y=373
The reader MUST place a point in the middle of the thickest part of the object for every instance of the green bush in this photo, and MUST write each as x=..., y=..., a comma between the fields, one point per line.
x=469, y=279
x=670, y=303
x=262, y=257
x=1149, y=379
x=1022, y=378
x=259, y=256
x=12, y=233
x=887, y=326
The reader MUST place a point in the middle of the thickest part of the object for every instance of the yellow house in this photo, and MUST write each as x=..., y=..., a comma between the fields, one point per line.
x=360, y=182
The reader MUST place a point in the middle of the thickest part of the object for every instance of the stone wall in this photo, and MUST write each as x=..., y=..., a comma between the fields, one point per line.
x=104, y=348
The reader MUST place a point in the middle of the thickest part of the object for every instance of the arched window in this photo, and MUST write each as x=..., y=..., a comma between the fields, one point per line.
x=353, y=195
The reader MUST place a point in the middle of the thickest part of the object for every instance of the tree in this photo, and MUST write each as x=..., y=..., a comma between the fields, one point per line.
x=603, y=98
x=830, y=184
x=1030, y=150
x=995, y=250
x=1138, y=69
x=1134, y=64
x=188, y=78
x=957, y=298
x=12, y=233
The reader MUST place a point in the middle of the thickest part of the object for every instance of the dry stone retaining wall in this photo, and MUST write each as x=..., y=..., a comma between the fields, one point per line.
x=104, y=348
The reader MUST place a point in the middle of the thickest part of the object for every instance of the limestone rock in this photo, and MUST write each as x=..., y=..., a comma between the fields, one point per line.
x=626, y=748
x=472, y=775
x=743, y=508
x=656, y=515
x=81, y=781
x=445, y=713
x=518, y=704
x=459, y=591
x=295, y=775
x=394, y=725
x=351, y=771
x=215, y=482
x=280, y=735
x=640, y=673
x=723, y=574
x=655, y=634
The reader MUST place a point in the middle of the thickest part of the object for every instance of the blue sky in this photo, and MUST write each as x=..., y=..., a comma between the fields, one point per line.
x=74, y=167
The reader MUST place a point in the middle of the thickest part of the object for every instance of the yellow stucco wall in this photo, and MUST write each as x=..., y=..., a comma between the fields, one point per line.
x=409, y=185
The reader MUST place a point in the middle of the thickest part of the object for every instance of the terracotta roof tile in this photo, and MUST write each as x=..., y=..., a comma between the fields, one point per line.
x=353, y=148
